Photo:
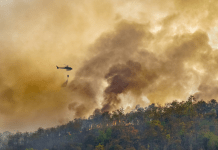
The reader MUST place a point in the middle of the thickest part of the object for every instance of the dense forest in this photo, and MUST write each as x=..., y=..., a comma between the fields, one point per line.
x=187, y=125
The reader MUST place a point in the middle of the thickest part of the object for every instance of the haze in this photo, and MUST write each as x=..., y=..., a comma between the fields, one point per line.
x=123, y=53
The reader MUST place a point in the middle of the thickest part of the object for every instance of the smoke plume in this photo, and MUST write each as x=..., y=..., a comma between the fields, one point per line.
x=123, y=53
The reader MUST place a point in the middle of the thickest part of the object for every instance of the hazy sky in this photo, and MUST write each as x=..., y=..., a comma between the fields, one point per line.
x=123, y=53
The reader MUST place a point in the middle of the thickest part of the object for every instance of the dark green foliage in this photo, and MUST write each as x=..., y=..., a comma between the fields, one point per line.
x=104, y=137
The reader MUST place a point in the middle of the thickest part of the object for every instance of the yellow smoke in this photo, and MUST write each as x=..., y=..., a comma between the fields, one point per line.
x=171, y=40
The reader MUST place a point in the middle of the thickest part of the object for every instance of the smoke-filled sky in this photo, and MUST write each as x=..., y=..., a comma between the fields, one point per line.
x=123, y=53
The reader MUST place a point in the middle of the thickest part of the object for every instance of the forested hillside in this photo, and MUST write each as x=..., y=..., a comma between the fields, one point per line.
x=189, y=125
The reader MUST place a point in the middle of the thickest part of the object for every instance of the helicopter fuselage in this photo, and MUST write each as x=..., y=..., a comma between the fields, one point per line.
x=67, y=68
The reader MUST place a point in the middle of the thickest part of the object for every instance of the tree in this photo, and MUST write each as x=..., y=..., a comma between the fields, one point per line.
x=99, y=147
x=14, y=141
x=104, y=137
x=89, y=140
x=212, y=141
x=106, y=119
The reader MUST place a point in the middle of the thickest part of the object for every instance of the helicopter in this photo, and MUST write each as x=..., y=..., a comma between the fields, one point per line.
x=66, y=67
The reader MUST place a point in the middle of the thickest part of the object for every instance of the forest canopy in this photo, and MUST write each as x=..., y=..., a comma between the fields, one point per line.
x=182, y=125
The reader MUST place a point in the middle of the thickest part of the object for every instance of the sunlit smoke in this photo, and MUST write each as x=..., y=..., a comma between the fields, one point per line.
x=123, y=53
